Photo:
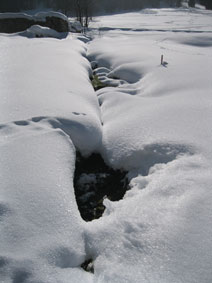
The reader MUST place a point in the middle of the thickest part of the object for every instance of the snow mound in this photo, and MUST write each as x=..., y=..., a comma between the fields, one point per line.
x=130, y=72
x=75, y=26
x=43, y=15
x=39, y=31
x=41, y=229
x=159, y=128
x=55, y=89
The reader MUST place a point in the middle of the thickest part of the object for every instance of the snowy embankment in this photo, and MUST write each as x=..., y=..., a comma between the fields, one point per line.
x=47, y=104
x=156, y=124
x=47, y=80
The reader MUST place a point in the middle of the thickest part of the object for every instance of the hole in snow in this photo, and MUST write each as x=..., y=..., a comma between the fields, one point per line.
x=88, y=265
x=94, y=181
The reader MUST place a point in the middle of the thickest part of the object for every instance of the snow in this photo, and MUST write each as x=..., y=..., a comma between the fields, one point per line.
x=39, y=31
x=43, y=15
x=159, y=104
x=40, y=222
x=75, y=26
x=157, y=126
x=160, y=231
x=181, y=19
x=52, y=86
x=155, y=123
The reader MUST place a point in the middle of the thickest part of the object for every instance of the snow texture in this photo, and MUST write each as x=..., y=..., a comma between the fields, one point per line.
x=41, y=231
x=157, y=126
x=153, y=120
x=48, y=80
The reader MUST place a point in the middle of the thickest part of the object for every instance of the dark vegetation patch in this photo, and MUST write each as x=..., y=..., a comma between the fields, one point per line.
x=94, y=181
x=96, y=83
x=12, y=24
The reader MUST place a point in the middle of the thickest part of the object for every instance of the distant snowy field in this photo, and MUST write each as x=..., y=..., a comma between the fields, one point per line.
x=156, y=124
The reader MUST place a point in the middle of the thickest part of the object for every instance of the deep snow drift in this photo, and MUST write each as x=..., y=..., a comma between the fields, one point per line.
x=153, y=120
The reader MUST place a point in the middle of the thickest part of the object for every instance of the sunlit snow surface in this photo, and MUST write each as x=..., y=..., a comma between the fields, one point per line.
x=156, y=124
x=46, y=79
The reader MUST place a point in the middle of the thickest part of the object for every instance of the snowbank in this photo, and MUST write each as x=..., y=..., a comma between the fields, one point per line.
x=50, y=14
x=39, y=31
x=75, y=26
x=48, y=110
x=157, y=126
x=41, y=229
x=52, y=86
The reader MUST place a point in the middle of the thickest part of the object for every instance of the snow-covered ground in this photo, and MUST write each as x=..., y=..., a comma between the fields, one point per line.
x=156, y=124
x=47, y=104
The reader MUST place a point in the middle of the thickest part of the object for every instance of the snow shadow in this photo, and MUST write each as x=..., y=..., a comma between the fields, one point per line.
x=78, y=113
x=20, y=276
x=157, y=154
x=106, y=29
x=203, y=41
x=21, y=123
x=63, y=257
x=3, y=261
x=4, y=211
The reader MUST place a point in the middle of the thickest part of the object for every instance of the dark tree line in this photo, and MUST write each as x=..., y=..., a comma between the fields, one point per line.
x=82, y=6
x=206, y=3
x=18, y=5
